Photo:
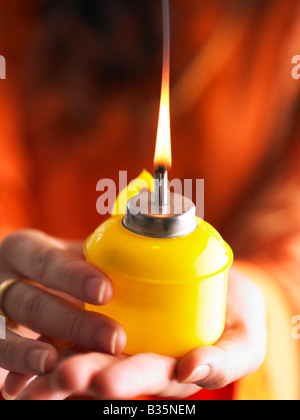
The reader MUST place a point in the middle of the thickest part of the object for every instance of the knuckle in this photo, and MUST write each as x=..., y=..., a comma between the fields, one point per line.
x=7, y=248
x=68, y=272
x=9, y=243
x=43, y=262
x=32, y=307
x=54, y=270
x=74, y=326
x=6, y=354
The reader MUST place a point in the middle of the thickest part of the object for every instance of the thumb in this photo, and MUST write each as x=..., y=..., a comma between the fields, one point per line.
x=213, y=367
x=242, y=348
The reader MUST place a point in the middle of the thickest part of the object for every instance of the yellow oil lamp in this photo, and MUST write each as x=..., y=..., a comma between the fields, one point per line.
x=169, y=268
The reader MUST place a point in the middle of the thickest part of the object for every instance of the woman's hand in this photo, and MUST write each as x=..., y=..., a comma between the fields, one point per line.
x=239, y=352
x=52, y=266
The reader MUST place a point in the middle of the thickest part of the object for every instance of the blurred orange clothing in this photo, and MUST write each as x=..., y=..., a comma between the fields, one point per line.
x=234, y=114
x=235, y=123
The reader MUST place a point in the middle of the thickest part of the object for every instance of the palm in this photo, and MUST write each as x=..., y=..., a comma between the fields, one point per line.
x=240, y=351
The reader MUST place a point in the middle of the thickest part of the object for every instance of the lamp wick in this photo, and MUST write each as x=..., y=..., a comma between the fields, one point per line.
x=161, y=187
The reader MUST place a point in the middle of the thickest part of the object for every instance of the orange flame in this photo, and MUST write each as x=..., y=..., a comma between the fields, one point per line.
x=163, y=155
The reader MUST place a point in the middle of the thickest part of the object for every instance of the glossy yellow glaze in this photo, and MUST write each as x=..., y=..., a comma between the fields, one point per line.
x=169, y=294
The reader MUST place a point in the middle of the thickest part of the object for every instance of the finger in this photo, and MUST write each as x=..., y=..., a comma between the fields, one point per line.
x=39, y=390
x=142, y=374
x=52, y=316
x=215, y=367
x=102, y=376
x=71, y=376
x=75, y=373
x=82, y=373
x=241, y=349
x=15, y=383
x=48, y=261
x=26, y=356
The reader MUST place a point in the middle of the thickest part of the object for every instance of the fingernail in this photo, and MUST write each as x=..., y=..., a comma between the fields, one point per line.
x=198, y=374
x=114, y=342
x=106, y=339
x=95, y=289
x=7, y=396
x=37, y=360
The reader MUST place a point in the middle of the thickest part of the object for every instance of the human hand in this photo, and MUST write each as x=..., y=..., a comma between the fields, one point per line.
x=239, y=352
x=54, y=267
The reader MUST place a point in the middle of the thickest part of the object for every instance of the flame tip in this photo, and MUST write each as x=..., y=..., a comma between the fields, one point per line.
x=163, y=155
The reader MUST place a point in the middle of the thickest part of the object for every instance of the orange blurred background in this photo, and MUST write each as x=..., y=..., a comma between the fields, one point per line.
x=81, y=98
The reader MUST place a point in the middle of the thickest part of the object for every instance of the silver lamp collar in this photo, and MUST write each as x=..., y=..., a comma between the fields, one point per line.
x=174, y=219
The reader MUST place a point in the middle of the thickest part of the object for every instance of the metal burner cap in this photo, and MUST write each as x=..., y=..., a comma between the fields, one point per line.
x=144, y=217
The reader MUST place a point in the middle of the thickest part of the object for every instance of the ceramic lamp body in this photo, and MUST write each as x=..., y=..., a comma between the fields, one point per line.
x=169, y=293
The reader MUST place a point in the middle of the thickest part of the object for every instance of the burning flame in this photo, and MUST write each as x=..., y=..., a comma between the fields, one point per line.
x=163, y=155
